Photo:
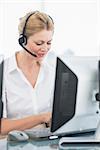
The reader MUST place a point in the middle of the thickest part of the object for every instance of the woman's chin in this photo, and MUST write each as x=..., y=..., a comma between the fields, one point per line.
x=41, y=57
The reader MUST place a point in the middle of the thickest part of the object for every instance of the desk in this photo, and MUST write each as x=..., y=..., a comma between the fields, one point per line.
x=43, y=144
x=29, y=145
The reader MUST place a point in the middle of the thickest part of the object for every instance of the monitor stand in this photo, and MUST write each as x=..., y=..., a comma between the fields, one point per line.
x=79, y=124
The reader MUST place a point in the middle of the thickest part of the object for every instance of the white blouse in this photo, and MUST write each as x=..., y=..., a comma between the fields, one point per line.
x=20, y=99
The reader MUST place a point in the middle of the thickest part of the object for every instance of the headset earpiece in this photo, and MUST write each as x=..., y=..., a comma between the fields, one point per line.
x=22, y=39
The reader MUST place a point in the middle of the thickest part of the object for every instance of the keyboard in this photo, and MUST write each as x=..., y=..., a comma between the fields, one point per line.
x=74, y=142
x=38, y=132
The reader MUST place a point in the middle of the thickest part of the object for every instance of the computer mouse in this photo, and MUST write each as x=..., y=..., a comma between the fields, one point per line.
x=97, y=133
x=17, y=135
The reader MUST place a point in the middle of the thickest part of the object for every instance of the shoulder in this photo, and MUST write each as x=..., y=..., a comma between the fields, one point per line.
x=9, y=63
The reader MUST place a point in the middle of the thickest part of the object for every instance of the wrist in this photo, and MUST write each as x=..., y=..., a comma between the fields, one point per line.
x=42, y=118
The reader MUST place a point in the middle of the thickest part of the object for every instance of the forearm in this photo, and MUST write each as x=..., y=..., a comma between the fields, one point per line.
x=20, y=124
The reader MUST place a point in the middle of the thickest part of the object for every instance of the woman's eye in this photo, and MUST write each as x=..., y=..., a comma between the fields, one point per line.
x=38, y=43
x=49, y=43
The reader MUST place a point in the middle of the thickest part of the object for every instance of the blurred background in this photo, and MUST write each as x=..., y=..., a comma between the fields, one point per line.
x=77, y=25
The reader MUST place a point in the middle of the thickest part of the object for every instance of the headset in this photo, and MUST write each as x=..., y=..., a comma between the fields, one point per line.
x=23, y=39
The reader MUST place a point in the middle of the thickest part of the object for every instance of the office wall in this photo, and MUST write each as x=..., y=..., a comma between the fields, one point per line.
x=77, y=24
x=10, y=13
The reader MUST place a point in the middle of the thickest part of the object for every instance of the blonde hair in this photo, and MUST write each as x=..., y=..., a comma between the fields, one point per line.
x=36, y=22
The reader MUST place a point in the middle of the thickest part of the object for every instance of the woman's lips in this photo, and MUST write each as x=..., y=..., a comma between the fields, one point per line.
x=41, y=54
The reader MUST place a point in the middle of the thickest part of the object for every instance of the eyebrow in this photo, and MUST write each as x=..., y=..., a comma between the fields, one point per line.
x=42, y=41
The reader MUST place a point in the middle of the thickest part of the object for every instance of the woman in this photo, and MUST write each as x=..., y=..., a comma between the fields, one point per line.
x=28, y=78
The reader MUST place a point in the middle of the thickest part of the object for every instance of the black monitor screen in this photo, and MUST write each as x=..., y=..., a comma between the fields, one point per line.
x=1, y=83
x=65, y=92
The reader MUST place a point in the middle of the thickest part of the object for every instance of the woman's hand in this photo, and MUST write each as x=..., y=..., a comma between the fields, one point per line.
x=46, y=117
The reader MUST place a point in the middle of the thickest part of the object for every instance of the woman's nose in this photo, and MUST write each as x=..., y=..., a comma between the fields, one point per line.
x=44, y=47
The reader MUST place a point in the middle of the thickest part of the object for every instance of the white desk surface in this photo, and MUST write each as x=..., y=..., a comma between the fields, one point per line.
x=38, y=144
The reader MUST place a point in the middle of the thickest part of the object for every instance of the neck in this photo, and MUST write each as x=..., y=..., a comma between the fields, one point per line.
x=25, y=60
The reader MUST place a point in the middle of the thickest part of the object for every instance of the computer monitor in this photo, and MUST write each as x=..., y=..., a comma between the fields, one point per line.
x=64, y=101
x=75, y=108
x=98, y=94
x=1, y=84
